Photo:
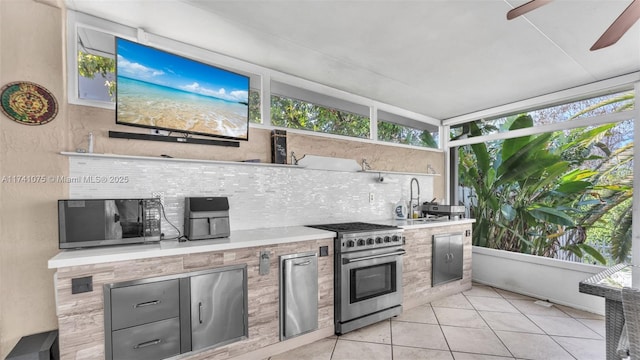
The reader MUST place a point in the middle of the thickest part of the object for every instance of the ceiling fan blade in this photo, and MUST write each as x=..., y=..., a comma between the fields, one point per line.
x=628, y=17
x=525, y=8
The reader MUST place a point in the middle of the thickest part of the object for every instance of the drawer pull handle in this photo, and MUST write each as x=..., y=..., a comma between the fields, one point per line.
x=200, y=312
x=304, y=263
x=147, y=343
x=148, y=303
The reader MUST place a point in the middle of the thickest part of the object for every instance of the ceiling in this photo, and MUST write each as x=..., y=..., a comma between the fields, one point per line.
x=440, y=58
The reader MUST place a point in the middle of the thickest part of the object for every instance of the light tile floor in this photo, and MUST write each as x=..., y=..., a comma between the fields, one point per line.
x=483, y=323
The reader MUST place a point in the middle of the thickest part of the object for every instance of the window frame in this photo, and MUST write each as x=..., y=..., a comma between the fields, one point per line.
x=409, y=123
x=76, y=20
x=630, y=82
x=261, y=79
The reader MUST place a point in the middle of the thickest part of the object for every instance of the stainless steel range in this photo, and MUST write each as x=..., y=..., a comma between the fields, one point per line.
x=368, y=273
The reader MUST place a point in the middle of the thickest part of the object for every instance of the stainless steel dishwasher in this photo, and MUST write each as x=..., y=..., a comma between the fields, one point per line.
x=298, y=294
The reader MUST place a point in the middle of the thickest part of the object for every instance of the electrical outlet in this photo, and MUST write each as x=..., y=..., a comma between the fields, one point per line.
x=159, y=195
x=372, y=198
x=82, y=285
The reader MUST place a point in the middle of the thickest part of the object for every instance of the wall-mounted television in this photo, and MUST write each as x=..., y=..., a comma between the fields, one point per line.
x=159, y=90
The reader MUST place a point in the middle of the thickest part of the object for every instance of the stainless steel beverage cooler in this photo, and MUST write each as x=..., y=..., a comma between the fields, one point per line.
x=206, y=217
x=298, y=294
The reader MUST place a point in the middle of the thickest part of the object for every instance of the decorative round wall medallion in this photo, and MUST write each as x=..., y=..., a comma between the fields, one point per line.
x=28, y=103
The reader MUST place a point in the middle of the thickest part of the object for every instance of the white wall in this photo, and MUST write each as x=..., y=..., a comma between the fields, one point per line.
x=536, y=276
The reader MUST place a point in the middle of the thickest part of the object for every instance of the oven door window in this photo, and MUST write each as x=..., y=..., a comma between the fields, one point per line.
x=372, y=281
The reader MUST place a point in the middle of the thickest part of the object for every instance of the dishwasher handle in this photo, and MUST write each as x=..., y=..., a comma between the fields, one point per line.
x=395, y=253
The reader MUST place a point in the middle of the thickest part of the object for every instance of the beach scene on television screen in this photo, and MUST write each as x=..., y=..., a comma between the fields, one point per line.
x=162, y=90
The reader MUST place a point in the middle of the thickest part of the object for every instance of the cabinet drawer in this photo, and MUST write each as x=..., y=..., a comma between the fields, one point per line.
x=145, y=303
x=157, y=340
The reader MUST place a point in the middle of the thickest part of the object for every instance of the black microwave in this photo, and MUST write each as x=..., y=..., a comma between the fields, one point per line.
x=86, y=223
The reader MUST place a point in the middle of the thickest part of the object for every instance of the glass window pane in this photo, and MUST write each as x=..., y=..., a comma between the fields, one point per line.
x=254, y=107
x=608, y=104
x=96, y=65
x=401, y=134
x=601, y=105
x=298, y=114
x=565, y=194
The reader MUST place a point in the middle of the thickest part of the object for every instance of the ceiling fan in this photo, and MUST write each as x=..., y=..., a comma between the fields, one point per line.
x=628, y=17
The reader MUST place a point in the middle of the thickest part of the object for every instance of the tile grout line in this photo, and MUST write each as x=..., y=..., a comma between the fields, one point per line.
x=581, y=323
x=441, y=331
x=528, y=318
x=490, y=328
x=391, y=334
x=538, y=326
x=485, y=322
x=554, y=340
x=541, y=329
x=334, y=347
x=562, y=317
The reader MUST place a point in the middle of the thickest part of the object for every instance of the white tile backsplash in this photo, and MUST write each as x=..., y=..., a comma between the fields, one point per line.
x=259, y=196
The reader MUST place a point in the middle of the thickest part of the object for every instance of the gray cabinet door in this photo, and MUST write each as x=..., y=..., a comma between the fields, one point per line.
x=218, y=307
x=455, y=259
x=299, y=295
x=440, y=261
x=447, y=258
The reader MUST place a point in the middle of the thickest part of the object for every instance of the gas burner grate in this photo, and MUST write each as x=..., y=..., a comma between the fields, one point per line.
x=353, y=226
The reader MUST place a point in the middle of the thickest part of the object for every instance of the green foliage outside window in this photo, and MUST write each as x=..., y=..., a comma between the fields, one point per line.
x=91, y=65
x=297, y=114
x=254, y=107
x=400, y=134
x=563, y=191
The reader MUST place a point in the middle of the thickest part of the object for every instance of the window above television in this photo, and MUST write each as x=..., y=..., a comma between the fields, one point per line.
x=96, y=66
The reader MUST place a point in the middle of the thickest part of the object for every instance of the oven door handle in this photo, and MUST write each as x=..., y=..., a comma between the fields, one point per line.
x=396, y=253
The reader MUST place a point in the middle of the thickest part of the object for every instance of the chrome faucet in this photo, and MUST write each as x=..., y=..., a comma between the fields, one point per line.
x=411, y=198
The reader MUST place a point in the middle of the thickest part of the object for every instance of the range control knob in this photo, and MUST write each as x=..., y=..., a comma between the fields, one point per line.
x=351, y=243
x=378, y=240
x=395, y=238
x=361, y=242
x=370, y=241
x=387, y=239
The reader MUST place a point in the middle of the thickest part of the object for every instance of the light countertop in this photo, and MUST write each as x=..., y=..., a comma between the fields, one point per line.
x=238, y=239
x=423, y=223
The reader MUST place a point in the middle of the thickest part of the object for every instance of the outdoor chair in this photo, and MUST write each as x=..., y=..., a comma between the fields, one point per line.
x=629, y=344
